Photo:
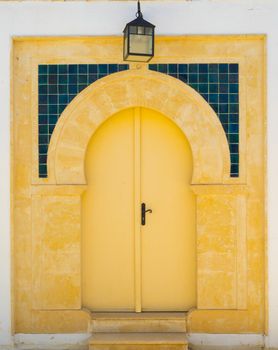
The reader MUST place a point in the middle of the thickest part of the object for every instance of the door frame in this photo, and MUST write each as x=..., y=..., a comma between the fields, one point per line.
x=211, y=180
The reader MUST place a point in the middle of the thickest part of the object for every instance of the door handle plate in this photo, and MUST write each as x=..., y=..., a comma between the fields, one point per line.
x=143, y=213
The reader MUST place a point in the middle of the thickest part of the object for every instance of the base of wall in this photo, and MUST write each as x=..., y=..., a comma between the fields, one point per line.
x=201, y=341
x=80, y=342
x=51, y=341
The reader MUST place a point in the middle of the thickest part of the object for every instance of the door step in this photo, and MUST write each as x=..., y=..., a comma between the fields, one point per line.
x=148, y=322
x=137, y=341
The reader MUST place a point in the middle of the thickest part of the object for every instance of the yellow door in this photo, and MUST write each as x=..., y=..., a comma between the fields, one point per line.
x=168, y=238
x=138, y=156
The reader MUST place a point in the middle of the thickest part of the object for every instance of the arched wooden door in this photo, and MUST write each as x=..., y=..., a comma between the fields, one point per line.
x=138, y=156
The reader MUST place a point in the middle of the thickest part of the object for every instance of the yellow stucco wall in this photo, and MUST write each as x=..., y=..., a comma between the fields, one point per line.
x=230, y=211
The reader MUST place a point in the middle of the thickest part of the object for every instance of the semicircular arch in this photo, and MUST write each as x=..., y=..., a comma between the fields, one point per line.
x=138, y=88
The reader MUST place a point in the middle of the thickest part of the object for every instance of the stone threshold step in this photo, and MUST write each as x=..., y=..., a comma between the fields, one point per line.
x=139, y=315
x=125, y=341
x=128, y=322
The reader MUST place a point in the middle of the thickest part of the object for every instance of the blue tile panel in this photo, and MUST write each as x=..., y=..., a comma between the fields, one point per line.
x=58, y=85
x=219, y=86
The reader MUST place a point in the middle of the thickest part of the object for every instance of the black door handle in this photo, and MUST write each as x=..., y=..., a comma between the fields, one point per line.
x=143, y=213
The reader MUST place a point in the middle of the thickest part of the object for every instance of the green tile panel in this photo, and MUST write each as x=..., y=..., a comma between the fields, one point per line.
x=218, y=84
x=58, y=85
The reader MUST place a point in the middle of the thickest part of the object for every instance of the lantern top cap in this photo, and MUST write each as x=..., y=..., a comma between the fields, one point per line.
x=139, y=21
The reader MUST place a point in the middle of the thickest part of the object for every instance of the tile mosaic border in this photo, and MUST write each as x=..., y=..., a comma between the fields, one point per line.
x=58, y=85
x=218, y=83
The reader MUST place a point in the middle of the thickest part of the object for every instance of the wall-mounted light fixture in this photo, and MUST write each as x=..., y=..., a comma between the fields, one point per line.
x=139, y=39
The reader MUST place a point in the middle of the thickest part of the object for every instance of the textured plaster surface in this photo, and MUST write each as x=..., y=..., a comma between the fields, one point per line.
x=230, y=212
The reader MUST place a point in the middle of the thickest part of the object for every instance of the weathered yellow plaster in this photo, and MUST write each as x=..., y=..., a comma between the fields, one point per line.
x=56, y=227
x=230, y=211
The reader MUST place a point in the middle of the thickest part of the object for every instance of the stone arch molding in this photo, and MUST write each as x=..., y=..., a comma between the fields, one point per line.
x=143, y=88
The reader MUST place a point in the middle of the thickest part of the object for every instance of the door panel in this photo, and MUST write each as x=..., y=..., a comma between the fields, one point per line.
x=136, y=156
x=168, y=238
x=108, y=217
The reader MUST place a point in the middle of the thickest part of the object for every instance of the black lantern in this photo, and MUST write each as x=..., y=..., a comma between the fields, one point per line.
x=139, y=39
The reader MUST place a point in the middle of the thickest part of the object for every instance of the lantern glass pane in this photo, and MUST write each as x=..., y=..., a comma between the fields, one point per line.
x=139, y=58
x=133, y=30
x=141, y=44
x=125, y=46
x=148, y=31
x=140, y=30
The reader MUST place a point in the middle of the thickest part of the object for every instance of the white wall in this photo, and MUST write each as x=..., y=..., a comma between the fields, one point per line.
x=109, y=18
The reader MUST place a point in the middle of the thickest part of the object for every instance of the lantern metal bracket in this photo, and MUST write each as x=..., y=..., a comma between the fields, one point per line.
x=139, y=13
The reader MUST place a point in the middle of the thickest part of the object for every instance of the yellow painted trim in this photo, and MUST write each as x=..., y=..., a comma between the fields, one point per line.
x=265, y=136
x=58, y=190
x=12, y=191
x=241, y=249
x=220, y=189
x=137, y=213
